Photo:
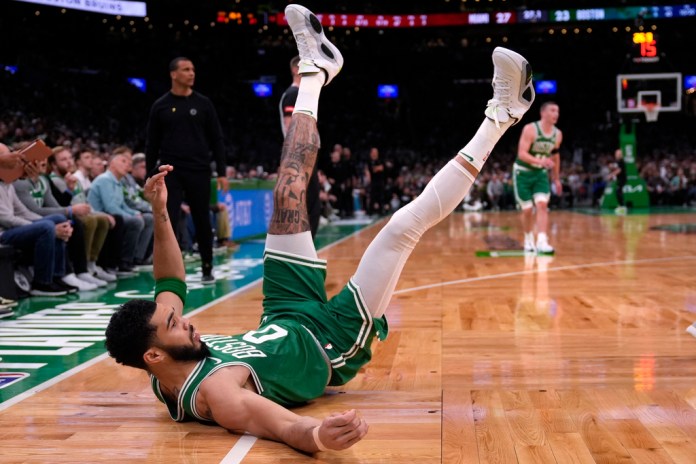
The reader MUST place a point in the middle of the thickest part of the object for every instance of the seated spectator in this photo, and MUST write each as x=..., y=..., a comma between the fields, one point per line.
x=98, y=166
x=68, y=191
x=34, y=192
x=139, y=169
x=83, y=163
x=44, y=237
x=106, y=196
x=133, y=195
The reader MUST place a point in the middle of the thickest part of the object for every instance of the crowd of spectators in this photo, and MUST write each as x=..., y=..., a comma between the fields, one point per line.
x=377, y=154
x=95, y=226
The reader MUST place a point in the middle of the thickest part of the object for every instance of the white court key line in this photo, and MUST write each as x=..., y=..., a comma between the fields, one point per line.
x=534, y=271
x=239, y=450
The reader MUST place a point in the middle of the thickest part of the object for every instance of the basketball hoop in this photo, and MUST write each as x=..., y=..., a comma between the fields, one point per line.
x=651, y=110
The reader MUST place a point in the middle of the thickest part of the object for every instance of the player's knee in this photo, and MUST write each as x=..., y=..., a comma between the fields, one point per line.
x=405, y=225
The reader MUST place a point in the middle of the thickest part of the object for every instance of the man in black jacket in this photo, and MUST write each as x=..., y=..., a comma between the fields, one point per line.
x=182, y=131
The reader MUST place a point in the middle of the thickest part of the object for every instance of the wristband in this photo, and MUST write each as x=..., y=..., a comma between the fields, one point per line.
x=171, y=284
x=317, y=441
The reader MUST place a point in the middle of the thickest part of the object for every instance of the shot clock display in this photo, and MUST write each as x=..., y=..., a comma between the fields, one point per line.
x=645, y=47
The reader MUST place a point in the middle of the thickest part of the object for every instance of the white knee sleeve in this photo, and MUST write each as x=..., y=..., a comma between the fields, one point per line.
x=381, y=265
x=297, y=244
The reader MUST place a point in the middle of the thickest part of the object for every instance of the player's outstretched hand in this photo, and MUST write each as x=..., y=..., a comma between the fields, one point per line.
x=342, y=430
x=155, y=190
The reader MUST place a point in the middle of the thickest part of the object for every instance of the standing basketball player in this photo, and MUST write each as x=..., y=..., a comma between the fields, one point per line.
x=305, y=341
x=538, y=153
x=287, y=107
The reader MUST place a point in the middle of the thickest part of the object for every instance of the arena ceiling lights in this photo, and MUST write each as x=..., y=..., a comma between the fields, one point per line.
x=109, y=7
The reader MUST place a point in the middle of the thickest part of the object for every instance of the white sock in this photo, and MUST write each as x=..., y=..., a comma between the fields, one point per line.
x=477, y=150
x=308, y=94
x=529, y=237
x=381, y=265
x=542, y=238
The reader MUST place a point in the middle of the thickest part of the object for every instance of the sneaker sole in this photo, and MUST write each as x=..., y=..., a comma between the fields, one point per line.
x=42, y=293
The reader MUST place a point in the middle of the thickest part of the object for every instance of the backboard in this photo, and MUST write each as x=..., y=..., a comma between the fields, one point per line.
x=658, y=90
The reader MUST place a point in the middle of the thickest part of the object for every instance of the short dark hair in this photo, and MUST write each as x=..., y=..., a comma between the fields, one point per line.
x=130, y=334
x=78, y=154
x=174, y=64
x=546, y=105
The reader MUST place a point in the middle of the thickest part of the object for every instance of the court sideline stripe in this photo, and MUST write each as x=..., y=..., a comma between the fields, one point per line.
x=239, y=450
x=534, y=271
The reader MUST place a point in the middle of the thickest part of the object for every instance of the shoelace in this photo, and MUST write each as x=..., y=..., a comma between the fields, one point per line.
x=302, y=46
x=501, y=98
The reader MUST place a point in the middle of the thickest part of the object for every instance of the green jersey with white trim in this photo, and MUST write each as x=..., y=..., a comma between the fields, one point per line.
x=285, y=361
x=542, y=146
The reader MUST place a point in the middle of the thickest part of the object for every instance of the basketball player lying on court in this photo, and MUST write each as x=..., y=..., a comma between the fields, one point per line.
x=304, y=342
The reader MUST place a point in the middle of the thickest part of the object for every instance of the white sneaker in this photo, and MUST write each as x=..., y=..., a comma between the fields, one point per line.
x=71, y=279
x=542, y=246
x=529, y=246
x=513, y=90
x=315, y=50
x=87, y=277
x=101, y=274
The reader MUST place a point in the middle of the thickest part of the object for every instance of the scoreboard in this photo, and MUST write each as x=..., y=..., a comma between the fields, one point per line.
x=519, y=16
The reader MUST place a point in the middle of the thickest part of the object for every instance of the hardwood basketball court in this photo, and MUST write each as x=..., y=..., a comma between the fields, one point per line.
x=578, y=358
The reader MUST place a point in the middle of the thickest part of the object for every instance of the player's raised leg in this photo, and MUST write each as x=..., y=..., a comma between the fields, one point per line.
x=384, y=259
x=320, y=61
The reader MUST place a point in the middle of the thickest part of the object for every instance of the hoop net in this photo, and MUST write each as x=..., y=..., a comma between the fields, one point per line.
x=651, y=110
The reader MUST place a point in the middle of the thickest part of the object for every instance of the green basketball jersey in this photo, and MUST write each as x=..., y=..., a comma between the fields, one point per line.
x=38, y=190
x=542, y=146
x=285, y=361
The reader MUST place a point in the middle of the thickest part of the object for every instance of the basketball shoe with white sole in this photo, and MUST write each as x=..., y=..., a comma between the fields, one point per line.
x=529, y=246
x=513, y=90
x=542, y=246
x=315, y=50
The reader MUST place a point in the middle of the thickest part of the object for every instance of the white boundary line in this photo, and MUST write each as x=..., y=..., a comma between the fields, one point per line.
x=239, y=450
x=533, y=271
x=49, y=383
